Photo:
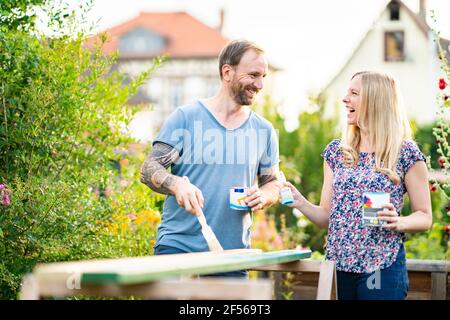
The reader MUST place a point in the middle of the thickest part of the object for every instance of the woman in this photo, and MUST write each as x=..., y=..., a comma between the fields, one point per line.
x=376, y=155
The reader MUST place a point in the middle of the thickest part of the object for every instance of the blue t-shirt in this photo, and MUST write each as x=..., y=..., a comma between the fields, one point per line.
x=214, y=159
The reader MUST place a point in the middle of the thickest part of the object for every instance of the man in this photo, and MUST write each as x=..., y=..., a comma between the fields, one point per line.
x=217, y=143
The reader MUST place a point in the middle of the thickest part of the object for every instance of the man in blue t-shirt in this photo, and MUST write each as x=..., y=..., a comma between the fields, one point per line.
x=218, y=143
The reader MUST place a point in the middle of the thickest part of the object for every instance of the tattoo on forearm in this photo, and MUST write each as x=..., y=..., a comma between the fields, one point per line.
x=267, y=175
x=164, y=154
x=153, y=171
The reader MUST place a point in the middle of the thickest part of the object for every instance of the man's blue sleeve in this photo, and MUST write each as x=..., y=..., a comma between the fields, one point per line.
x=173, y=130
x=271, y=155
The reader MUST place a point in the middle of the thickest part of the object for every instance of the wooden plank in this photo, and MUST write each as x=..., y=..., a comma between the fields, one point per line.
x=213, y=264
x=114, y=263
x=29, y=289
x=448, y=286
x=305, y=292
x=326, y=279
x=204, y=288
x=304, y=285
x=308, y=276
x=438, y=285
x=72, y=271
x=226, y=289
x=428, y=265
x=144, y=269
x=419, y=281
x=294, y=266
x=428, y=279
x=418, y=295
x=419, y=285
x=278, y=287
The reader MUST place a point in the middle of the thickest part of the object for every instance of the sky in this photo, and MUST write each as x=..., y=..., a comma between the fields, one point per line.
x=308, y=40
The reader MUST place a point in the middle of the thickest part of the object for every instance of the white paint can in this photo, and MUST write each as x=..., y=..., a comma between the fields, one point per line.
x=237, y=198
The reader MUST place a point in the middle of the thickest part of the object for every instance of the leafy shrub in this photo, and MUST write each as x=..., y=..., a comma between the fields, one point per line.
x=63, y=112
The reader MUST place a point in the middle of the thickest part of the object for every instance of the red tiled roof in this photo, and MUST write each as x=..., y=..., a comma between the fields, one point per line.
x=186, y=36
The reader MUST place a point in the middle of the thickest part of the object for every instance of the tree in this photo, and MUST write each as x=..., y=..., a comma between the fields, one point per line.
x=19, y=14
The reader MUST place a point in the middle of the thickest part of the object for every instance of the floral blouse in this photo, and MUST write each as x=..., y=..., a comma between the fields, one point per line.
x=353, y=246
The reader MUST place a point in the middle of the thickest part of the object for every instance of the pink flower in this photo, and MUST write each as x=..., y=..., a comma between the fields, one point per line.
x=132, y=216
x=4, y=193
x=6, y=201
x=278, y=242
x=108, y=191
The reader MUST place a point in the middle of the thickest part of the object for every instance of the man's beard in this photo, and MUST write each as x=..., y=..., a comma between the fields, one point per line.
x=240, y=95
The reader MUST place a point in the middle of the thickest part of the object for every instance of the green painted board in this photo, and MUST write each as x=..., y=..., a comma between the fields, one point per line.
x=212, y=264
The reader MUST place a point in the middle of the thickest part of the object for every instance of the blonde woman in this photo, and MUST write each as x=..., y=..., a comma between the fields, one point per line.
x=377, y=154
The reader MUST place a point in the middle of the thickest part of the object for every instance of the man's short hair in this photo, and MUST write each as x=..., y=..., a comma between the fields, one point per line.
x=232, y=53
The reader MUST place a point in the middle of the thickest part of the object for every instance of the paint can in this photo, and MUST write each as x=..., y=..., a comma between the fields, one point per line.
x=237, y=198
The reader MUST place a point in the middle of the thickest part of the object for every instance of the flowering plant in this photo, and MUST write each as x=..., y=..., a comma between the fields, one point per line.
x=4, y=195
x=441, y=132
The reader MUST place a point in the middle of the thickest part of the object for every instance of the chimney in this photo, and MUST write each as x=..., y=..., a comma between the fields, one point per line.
x=222, y=19
x=423, y=10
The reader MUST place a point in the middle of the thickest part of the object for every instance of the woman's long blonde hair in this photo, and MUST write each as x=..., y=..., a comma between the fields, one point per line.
x=382, y=114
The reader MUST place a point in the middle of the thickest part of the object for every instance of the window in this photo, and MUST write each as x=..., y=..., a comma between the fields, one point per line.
x=394, y=10
x=394, y=42
x=141, y=41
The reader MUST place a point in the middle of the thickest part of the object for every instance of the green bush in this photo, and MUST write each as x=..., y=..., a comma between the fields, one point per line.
x=130, y=229
x=63, y=110
x=433, y=243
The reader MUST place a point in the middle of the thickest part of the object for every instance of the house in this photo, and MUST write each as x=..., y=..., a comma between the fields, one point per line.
x=402, y=44
x=191, y=72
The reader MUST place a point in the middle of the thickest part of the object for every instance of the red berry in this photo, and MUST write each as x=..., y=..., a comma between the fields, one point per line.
x=441, y=161
x=447, y=228
x=445, y=97
x=447, y=208
x=442, y=84
x=438, y=141
x=433, y=187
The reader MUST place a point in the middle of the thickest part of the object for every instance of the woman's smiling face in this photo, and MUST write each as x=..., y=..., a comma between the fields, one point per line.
x=352, y=100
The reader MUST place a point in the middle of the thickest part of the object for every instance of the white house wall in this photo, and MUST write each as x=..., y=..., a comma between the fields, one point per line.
x=196, y=78
x=416, y=75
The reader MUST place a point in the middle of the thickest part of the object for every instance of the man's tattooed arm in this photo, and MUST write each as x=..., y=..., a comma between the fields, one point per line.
x=153, y=170
x=267, y=175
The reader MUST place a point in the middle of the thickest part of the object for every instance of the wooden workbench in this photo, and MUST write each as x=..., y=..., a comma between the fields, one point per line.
x=165, y=276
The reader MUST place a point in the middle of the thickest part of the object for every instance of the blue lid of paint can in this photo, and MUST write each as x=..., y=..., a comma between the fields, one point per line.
x=287, y=201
